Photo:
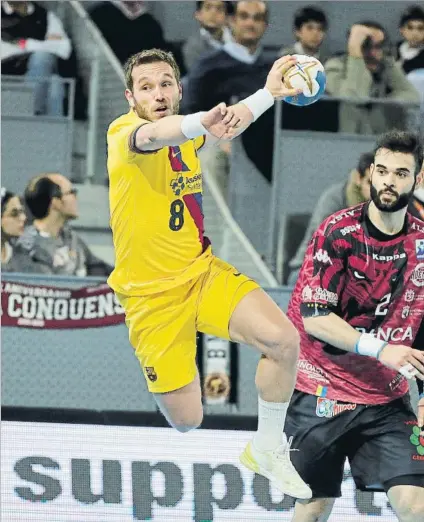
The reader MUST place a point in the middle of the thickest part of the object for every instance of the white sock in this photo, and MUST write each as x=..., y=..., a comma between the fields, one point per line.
x=271, y=419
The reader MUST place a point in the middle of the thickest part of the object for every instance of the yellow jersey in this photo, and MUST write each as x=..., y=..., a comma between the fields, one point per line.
x=156, y=212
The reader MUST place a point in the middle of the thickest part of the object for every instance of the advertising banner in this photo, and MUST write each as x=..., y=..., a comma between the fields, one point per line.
x=86, y=473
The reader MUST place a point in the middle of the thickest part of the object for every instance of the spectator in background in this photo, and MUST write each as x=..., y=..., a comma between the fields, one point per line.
x=213, y=32
x=13, y=258
x=33, y=41
x=52, y=245
x=337, y=197
x=367, y=70
x=129, y=28
x=310, y=28
x=410, y=52
x=236, y=71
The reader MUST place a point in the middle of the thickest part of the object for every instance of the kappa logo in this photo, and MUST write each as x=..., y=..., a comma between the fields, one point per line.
x=394, y=257
x=150, y=373
x=323, y=257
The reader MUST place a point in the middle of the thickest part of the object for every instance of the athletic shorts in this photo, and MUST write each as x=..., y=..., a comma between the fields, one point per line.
x=382, y=443
x=163, y=326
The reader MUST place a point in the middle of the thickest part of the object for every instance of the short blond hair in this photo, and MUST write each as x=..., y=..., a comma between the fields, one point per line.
x=149, y=56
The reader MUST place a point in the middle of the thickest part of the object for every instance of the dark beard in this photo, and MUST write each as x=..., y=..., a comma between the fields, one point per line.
x=401, y=202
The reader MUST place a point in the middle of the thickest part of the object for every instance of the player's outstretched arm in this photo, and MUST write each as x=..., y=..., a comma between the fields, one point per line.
x=174, y=130
x=242, y=114
x=332, y=329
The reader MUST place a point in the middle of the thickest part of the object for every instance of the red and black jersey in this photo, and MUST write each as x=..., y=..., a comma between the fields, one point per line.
x=375, y=283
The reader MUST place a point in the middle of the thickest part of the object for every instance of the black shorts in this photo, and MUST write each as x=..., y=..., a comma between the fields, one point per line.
x=382, y=443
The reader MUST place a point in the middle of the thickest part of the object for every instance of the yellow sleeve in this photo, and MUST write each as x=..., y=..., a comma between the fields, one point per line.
x=120, y=137
x=199, y=142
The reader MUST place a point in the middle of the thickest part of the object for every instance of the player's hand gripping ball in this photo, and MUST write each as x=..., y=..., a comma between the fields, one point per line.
x=307, y=74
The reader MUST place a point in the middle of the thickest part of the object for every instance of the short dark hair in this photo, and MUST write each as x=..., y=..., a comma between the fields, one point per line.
x=6, y=195
x=39, y=194
x=309, y=14
x=402, y=141
x=235, y=4
x=149, y=56
x=413, y=12
x=364, y=163
x=229, y=6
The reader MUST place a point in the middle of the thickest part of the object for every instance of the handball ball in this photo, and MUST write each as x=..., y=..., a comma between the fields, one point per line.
x=309, y=75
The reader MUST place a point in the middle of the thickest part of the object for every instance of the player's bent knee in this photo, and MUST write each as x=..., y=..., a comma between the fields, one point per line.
x=282, y=342
x=410, y=509
x=187, y=423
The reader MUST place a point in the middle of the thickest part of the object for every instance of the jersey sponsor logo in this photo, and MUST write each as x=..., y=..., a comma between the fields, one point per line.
x=417, y=227
x=396, y=382
x=405, y=312
x=330, y=408
x=177, y=185
x=417, y=440
x=419, y=248
x=394, y=257
x=409, y=296
x=418, y=275
x=323, y=257
x=390, y=334
x=313, y=372
x=319, y=294
x=349, y=229
x=343, y=215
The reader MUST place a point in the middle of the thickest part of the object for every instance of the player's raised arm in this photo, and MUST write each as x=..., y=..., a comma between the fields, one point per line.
x=174, y=130
x=242, y=114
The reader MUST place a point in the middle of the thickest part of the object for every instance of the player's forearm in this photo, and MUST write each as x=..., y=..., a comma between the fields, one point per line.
x=168, y=131
x=333, y=330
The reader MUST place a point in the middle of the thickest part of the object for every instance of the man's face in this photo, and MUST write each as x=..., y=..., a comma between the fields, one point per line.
x=249, y=22
x=67, y=204
x=374, y=52
x=212, y=15
x=311, y=35
x=364, y=185
x=413, y=32
x=392, y=180
x=156, y=92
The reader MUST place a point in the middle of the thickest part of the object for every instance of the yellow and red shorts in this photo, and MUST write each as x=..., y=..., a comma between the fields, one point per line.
x=163, y=326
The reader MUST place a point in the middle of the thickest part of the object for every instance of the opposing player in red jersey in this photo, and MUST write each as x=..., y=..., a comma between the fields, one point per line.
x=359, y=305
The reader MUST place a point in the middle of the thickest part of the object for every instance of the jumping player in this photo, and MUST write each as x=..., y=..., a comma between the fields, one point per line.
x=359, y=305
x=166, y=277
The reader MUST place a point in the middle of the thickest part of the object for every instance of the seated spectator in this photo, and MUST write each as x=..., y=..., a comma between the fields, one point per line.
x=237, y=70
x=13, y=258
x=410, y=52
x=368, y=71
x=213, y=32
x=337, y=197
x=52, y=245
x=310, y=28
x=33, y=41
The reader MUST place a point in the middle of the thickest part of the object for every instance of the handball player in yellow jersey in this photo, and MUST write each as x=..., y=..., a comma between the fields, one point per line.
x=166, y=276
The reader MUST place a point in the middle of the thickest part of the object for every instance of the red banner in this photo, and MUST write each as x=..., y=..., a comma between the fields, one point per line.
x=32, y=306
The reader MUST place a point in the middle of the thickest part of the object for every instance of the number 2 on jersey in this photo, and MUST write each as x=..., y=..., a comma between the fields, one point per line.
x=176, y=220
x=382, y=307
